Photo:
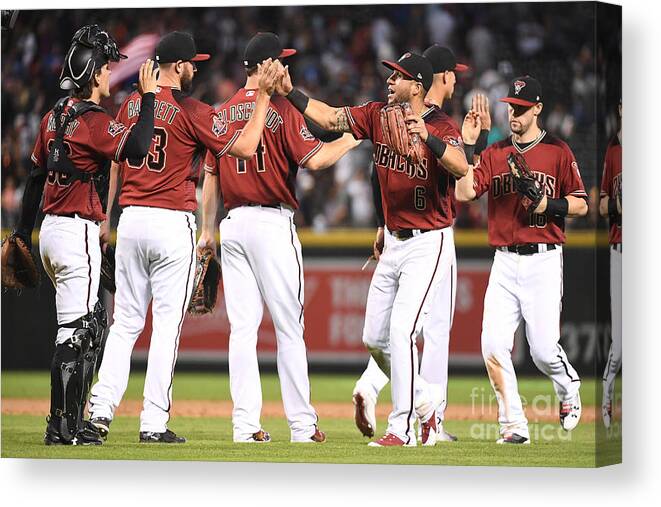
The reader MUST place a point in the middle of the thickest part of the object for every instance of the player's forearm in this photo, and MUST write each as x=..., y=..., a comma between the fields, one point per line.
x=329, y=118
x=113, y=185
x=209, y=203
x=139, y=140
x=246, y=145
x=331, y=152
x=464, y=190
x=578, y=207
x=34, y=188
x=454, y=160
x=603, y=206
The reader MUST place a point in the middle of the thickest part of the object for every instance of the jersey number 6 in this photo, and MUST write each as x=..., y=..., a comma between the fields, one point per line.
x=156, y=157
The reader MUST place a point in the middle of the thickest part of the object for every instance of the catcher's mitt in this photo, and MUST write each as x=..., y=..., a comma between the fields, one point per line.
x=108, y=269
x=396, y=134
x=205, y=285
x=19, y=268
x=526, y=185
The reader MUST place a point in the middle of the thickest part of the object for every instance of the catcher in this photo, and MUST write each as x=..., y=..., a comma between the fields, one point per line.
x=416, y=153
x=76, y=140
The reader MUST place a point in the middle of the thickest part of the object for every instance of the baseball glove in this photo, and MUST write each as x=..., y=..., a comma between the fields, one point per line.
x=108, y=269
x=19, y=268
x=205, y=286
x=526, y=185
x=396, y=134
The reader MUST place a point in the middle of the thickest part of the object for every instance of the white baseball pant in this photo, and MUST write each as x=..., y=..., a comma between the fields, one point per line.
x=262, y=263
x=400, y=297
x=527, y=287
x=155, y=261
x=71, y=255
x=615, y=353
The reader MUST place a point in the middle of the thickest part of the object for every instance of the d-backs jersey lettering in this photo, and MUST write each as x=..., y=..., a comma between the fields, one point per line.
x=413, y=196
x=184, y=128
x=610, y=184
x=554, y=165
x=269, y=176
x=91, y=139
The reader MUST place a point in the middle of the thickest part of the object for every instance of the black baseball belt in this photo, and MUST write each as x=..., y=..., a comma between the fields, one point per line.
x=528, y=248
x=404, y=234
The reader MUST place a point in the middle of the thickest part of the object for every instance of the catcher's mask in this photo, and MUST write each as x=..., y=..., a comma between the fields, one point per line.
x=91, y=48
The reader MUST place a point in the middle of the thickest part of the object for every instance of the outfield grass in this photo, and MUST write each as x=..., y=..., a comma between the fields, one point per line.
x=210, y=439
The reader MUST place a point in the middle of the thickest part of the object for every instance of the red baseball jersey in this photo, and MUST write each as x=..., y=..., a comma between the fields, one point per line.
x=90, y=139
x=554, y=165
x=269, y=176
x=184, y=128
x=610, y=184
x=413, y=196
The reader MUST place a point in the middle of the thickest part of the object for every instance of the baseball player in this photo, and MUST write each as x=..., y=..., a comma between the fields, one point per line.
x=155, y=255
x=418, y=219
x=610, y=205
x=436, y=331
x=261, y=253
x=76, y=140
x=526, y=277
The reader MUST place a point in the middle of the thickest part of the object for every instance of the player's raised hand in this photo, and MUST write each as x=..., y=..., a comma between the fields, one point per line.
x=269, y=72
x=480, y=105
x=416, y=125
x=147, y=77
x=470, y=129
x=284, y=86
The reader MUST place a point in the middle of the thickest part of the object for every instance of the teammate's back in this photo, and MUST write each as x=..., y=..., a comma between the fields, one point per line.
x=167, y=176
x=286, y=144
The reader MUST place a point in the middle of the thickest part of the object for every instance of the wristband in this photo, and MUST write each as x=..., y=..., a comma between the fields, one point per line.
x=557, y=207
x=612, y=207
x=469, y=150
x=436, y=146
x=298, y=99
x=482, y=141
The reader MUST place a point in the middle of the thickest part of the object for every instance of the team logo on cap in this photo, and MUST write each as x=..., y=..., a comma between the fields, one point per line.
x=219, y=126
x=404, y=56
x=518, y=86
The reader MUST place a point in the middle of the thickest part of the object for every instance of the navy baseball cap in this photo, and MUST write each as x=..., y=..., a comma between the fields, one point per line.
x=524, y=91
x=443, y=59
x=414, y=67
x=177, y=46
x=262, y=46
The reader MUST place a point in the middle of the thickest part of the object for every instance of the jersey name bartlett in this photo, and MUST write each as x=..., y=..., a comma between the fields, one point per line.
x=503, y=184
x=163, y=110
x=385, y=157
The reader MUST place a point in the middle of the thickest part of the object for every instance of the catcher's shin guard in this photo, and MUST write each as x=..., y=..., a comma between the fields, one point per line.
x=72, y=371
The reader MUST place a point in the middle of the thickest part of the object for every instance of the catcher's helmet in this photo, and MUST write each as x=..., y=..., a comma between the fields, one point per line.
x=91, y=48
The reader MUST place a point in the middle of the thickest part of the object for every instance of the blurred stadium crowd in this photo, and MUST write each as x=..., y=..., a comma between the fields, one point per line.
x=338, y=60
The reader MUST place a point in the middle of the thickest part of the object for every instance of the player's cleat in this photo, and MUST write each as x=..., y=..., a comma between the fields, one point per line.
x=318, y=437
x=364, y=411
x=570, y=413
x=167, y=437
x=513, y=438
x=88, y=435
x=102, y=424
x=390, y=440
x=429, y=430
x=259, y=437
x=442, y=435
